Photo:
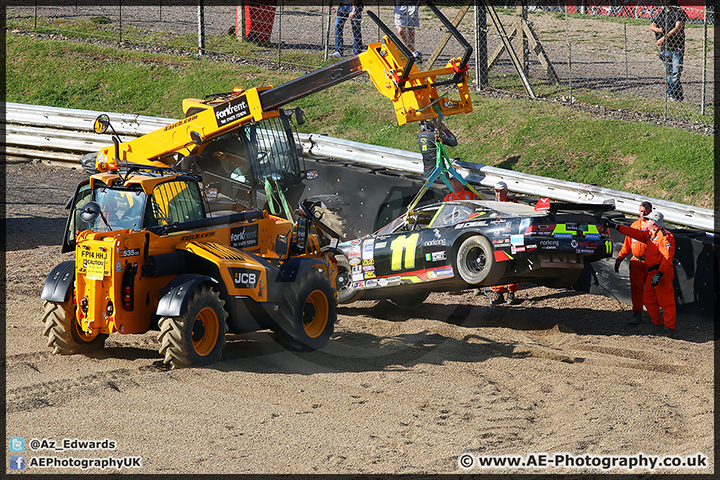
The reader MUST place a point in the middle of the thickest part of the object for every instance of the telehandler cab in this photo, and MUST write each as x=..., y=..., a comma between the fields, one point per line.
x=149, y=255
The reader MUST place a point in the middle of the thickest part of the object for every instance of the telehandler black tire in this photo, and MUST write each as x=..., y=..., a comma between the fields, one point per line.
x=198, y=336
x=307, y=313
x=63, y=331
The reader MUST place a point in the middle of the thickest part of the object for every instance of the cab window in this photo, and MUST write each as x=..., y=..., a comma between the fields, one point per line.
x=175, y=202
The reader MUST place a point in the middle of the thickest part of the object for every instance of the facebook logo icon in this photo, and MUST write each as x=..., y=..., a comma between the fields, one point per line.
x=17, y=444
x=17, y=462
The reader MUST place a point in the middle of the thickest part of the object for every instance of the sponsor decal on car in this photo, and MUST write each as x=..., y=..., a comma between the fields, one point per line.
x=381, y=245
x=472, y=224
x=440, y=273
x=562, y=235
x=356, y=277
x=592, y=236
x=368, y=268
x=369, y=275
x=358, y=284
x=585, y=250
x=367, y=249
x=371, y=283
x=355, y=253
x=517, y=239
x=441, y=242
x=573, y=243
x=516, y=249
x=354, y=261
x=435, y=256
x=549, y=243
x=368, y=261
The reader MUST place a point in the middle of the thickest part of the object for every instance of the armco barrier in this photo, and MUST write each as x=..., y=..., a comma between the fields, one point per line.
x=65, y=134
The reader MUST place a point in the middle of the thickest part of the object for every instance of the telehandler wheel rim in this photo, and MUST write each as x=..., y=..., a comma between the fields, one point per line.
x=82, y=334
x=315, y=314
x=205, y=331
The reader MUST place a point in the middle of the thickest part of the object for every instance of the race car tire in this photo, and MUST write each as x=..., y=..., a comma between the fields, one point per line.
x=63, y=331
x=409, y=299
x=475, y=262
x=346, y=293
x=566, y=280
x=307, y=313
x=196, y=337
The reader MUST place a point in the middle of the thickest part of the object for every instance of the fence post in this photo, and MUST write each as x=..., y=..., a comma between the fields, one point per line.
x=201, y=28
x=481, y=54
x=569, y=53
x=704, y=72
x=282, y=10
x=626, y=59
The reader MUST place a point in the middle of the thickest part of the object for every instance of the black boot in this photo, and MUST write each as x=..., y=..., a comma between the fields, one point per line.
x=496, y=298
x=635, y=320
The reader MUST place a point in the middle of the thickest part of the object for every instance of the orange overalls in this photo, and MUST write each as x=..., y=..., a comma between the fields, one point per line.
x=638, y=269
x=513, y=286
x=463, y=195
x=658, y=258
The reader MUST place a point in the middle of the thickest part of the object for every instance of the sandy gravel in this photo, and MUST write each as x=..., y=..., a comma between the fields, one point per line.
x=395, y=391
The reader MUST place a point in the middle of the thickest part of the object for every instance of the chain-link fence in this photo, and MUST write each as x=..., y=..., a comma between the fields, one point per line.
x=603, y=53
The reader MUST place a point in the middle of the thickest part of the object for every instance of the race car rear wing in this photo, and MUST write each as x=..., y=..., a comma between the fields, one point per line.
x=596, y=208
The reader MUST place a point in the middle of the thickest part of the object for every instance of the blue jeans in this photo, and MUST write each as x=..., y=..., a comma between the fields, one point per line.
x=342, y=15
x=673, y=62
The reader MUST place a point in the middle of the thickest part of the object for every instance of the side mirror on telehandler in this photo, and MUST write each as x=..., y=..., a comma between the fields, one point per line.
x=102, y=123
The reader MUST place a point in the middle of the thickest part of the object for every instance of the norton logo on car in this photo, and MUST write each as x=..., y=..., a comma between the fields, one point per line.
x=244, y=278
x=242, y=237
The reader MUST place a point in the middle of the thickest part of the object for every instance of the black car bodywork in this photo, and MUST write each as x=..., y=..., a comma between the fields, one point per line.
x=453, y=245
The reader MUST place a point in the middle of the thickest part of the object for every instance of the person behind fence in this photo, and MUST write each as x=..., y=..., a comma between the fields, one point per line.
x=426, y=140
x=498, y=292
x=348, y=9
x=658, y=292
x=669, y=28
x=407, y=19
x=459, y=192
x=635, y=249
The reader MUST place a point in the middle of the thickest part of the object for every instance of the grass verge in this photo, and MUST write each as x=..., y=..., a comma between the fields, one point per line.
x=541, y=138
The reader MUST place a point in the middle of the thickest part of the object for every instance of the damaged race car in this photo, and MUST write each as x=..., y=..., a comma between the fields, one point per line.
x=455, y=245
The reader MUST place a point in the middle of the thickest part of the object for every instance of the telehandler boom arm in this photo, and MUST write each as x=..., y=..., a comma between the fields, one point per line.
x=389, y=63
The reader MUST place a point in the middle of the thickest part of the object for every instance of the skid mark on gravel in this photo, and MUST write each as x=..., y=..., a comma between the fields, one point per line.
x=57, y=392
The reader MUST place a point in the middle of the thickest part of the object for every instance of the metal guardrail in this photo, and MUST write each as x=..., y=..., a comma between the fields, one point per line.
x=61, y=134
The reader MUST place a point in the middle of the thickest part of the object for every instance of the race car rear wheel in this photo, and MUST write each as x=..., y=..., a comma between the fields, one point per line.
x=409, y=299
x=475, y=262
x=346, y=293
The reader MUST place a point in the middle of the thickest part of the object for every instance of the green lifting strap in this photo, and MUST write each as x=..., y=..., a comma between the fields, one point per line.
x=271, y=193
